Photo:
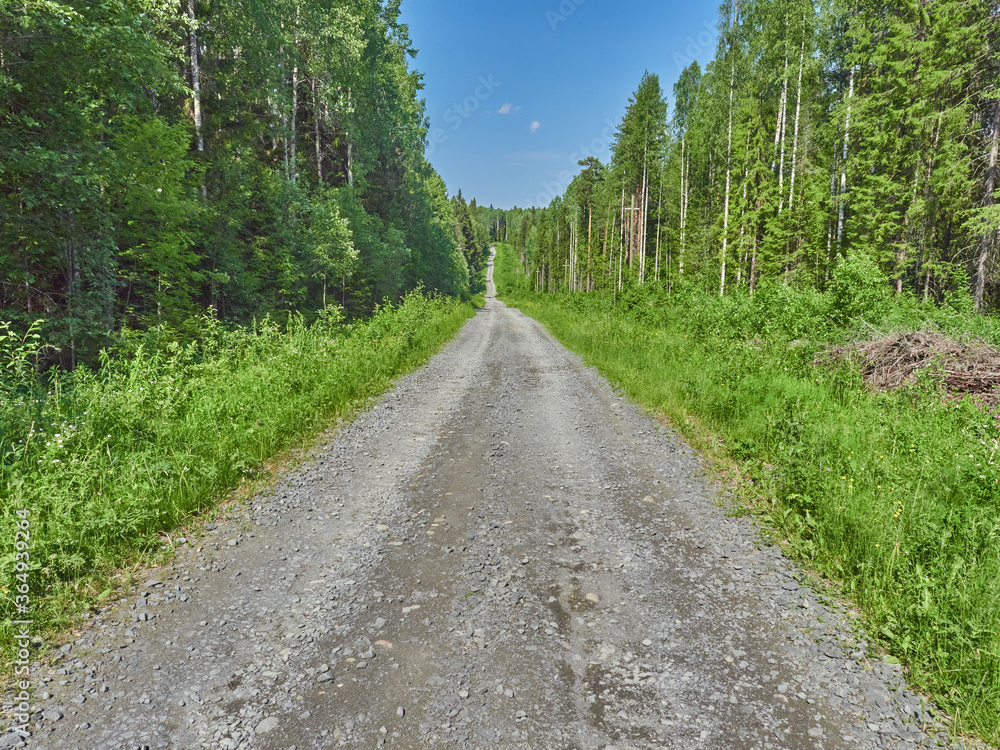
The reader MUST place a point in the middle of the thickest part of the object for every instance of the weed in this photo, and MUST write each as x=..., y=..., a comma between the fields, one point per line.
x=105, y=461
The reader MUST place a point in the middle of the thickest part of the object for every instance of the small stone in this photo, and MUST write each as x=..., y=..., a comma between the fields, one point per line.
x=268, y=725
x=647, y=642
x=400, y=712
x=232, y=542
x=593, y=598
x=379, y=623
x=52, y=714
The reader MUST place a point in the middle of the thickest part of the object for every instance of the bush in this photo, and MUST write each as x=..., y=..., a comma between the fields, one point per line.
x=860, y=290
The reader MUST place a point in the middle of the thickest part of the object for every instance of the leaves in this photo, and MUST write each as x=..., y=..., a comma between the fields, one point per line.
x=312, y=172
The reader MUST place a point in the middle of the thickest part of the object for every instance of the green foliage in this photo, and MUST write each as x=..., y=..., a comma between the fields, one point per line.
x=105, y=460
x=850, y=128
x=133, y=195
x=860, y=289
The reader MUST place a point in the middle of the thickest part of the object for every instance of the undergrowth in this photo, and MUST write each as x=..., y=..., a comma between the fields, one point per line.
x=97, y=463
x=892, y=495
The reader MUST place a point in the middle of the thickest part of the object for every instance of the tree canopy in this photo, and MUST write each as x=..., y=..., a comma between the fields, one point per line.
x=819, y=133
x=157, y=159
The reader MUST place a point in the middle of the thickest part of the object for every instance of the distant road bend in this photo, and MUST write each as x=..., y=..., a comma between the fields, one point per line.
x=500, y=553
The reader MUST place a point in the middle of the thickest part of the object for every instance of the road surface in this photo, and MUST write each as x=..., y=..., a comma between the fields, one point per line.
x=499, y=553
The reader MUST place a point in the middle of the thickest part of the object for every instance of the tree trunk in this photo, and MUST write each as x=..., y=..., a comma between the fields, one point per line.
x=295, y=92
x=590, y=224
x=743, y=224
x=350, y=150
x=729, y=157
x=684, y=202
x=988, y=236
x=622, y=232
x=316, y=129
x=295, y=107
x=659, y=217
x=843, y=166
x=782, y=117
x=195, y=78
x=196, y=91
x=901, y=257
x=798, y=110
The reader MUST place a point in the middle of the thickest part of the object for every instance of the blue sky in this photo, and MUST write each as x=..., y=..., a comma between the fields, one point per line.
x=518, y=91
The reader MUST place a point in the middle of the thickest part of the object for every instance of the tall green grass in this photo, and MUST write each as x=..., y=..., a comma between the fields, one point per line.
x=896, y=496
x=106, y=460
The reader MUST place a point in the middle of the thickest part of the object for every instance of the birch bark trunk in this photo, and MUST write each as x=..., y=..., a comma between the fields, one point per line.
x=684, y=201
x=725, y=211
x=798, y=110
x=843, y=166
x=988, y=237
x=195, y=78
x=316, y=132
x=782, y=118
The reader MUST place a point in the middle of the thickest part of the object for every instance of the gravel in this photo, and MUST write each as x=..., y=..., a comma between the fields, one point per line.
x=500, y=552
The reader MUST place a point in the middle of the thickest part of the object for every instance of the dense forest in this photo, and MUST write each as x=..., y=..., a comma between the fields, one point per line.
x=843, y=129
x=160, y=159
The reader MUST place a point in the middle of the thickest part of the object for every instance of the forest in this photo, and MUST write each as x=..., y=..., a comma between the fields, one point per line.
x=220, y=231
x=158, y=160
x=820, y=132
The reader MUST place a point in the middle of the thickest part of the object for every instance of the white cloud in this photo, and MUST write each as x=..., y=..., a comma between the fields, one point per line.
x=535, y=126
x=505, y=109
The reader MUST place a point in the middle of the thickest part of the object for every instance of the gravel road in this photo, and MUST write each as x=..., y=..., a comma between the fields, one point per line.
x=500, y=553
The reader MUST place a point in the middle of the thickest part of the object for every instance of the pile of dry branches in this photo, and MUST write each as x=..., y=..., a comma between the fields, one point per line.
x=892, y=361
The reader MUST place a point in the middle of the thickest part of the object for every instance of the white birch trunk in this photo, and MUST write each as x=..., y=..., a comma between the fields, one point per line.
x=843, y=166
x=725, y=211
x=782, y=118
x=988, y=237
x=659, y=218
x=195, y=79
x=295, y=93
x=684, y=200
x=798, y=110
x=316, y=130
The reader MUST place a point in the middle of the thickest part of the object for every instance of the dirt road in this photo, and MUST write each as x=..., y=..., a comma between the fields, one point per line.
x=501, y=553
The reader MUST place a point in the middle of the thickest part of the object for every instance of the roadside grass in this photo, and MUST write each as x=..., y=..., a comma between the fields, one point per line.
x=97, y=465
x=894, y=496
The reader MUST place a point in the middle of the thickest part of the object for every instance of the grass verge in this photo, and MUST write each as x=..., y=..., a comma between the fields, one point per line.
x=892, y=495
x=97, y=464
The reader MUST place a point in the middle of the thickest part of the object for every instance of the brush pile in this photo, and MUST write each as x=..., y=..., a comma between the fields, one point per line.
x=896, y=360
